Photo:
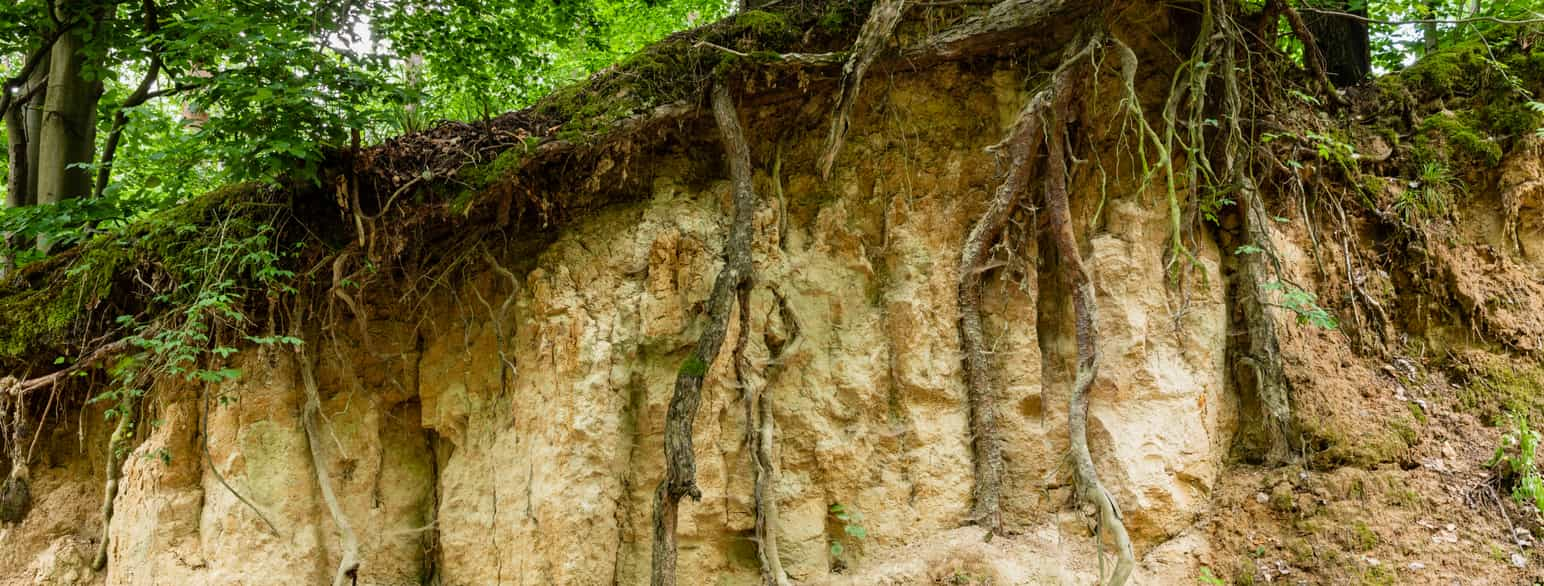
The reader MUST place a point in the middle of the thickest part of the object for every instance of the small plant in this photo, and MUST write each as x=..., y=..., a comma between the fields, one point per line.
x=1431, y=195
x=1304, y=304
x=1538, y=108
x=1518, y=448
x=1210, y=579
x=852, y=530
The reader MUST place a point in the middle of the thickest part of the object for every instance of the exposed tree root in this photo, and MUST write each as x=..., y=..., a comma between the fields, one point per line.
x=117, y=450
x=1075, y=276
x=215, y=470
x=759, y=437
x=1021, y=145
x=872, y=37
x=348, y=562
x=1262, y=354
x=680, y=466
x=16, y=489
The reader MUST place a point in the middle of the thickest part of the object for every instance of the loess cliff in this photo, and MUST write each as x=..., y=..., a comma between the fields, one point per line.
x=493, y=317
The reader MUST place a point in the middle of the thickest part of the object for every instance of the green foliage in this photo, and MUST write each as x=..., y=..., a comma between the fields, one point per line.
x=1210, y=579
x=1431, y=194
x=1304, y=304
x=1517, y=452
x=255, y=91
x=850, y=521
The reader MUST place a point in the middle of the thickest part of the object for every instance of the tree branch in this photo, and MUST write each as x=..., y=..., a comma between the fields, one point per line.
x=1365, y=19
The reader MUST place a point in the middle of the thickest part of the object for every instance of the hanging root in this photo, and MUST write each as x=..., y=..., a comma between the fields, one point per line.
x=117, y=450
x=759, y=438
x=1074, y=275
x=16, y=489
x=215, y=470
x=348, y=562
x=680, y=468
x=1263, y=352
x=1020, y=146
x=872, y=37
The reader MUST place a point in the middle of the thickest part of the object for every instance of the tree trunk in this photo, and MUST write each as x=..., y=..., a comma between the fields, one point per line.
x=1343, y=41
x=32, y=121
x=1429, y=29
x=68, y=134
x=16, y=149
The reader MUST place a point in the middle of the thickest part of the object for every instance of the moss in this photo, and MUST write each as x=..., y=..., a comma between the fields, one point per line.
x=1459, y=69
x=767, y=26
x=68, y=290
x=481, y=176
x=1363, y=537
x=1495, y=386
x=1458, y=136
x=1368, y=444
x=694, y=366
x=1378, y=576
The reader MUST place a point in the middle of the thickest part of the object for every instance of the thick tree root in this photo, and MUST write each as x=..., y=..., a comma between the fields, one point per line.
x=680, y=466
x=1075, y=276
x=871, y=41
x=117, y=450
x=1263, y=352
x=1021, y=146
x=348, y=562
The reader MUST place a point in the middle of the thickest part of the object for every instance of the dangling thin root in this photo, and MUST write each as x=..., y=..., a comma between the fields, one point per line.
x=348, y=562
x=759, y=438
x=680, y=467
x=215, y=470
x=1075, y=276
x=872, y=37
x=16, y=489
x=117, y=449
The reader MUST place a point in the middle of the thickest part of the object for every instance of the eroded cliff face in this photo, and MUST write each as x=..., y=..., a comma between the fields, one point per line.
x=471, y=449
x=507, y=426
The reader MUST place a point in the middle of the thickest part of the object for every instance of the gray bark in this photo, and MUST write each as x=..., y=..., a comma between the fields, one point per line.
x=68, y=135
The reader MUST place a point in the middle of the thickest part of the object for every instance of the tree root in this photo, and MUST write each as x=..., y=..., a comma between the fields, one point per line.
x=759, y=438
x=16, y=489
x=680, y=467
x=1263, y=353
x=348, y=562
x=128, y=413
x=1311, y=52
x=215, y=470
x=1021, y=146
x=872, y=37
x=1074, y=275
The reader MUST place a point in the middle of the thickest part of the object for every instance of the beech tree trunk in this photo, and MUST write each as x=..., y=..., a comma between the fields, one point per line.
x=1343, y=41
x=68, y=134
x=22, y=124
x=32, y=121
x=16, y=149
